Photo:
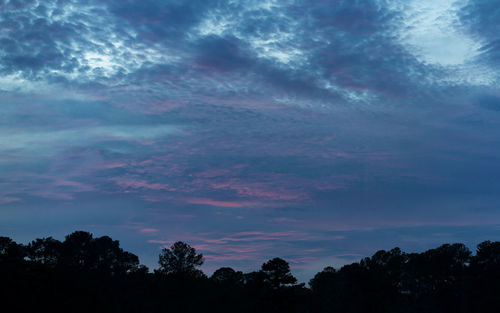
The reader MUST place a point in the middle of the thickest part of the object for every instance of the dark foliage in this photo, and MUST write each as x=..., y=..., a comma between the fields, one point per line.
x=180, y=261
x=87, y=274
x=277, y=273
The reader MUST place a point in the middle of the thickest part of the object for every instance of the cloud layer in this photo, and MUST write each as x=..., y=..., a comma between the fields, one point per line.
x=253, y=129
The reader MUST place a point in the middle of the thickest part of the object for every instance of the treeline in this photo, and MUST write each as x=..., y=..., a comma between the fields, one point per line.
x=87, y=274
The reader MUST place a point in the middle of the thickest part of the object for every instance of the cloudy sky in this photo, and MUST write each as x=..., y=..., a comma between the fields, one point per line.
x=317, y=131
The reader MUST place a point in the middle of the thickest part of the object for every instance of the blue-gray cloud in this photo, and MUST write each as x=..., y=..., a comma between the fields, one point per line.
x=481, y=17
x=217, y=121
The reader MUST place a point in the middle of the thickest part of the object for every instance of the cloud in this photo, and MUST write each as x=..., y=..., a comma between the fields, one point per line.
x=479, y=18
x=149, y=45
x=221, y=54
x=489, y=102
x=216, y=203
x=211, y=121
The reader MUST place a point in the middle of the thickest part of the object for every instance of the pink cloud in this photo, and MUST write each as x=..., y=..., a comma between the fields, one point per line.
x=146, y=162
x=111, y=165
x=213, y=173
x=149, y=230
x=184, y=216
x=139, y=184
x=162, y=242
x=5, y=200
x=348, y=255
x=53, y=195
x=250, y=236
x=46, y=186
x=316, y=250
x=284, y=220
x=233, y=257
x=226, y=204
x=264, y=191
x=303, y=260
x=78, y=186
x=251, y=245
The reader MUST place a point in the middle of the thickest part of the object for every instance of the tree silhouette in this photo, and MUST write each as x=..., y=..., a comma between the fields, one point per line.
x=10, y=251
x=47, y=251
x=278, y=273
x=323, y=280
x=485, y=275
x=325, y=289
x=76, y=250
x=82, y=252
x=108, y=257
x=488, y=254
x=227, y=276
x=436, y=269
x=180, y=260
x=93, y=274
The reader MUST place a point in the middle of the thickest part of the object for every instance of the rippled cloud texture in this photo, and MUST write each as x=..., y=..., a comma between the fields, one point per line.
x=317, y=131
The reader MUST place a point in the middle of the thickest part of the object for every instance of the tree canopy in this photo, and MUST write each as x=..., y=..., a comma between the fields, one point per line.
x=84, y=273
x=180, y=260
x=278, y=273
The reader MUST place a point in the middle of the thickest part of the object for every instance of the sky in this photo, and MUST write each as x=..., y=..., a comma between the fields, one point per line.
x=317, y=131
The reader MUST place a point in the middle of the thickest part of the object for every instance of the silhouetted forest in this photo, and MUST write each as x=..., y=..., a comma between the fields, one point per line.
x=87, y=274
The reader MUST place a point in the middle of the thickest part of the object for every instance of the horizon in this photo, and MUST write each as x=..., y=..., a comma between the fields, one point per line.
x=314, y=131
x=152, y=269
